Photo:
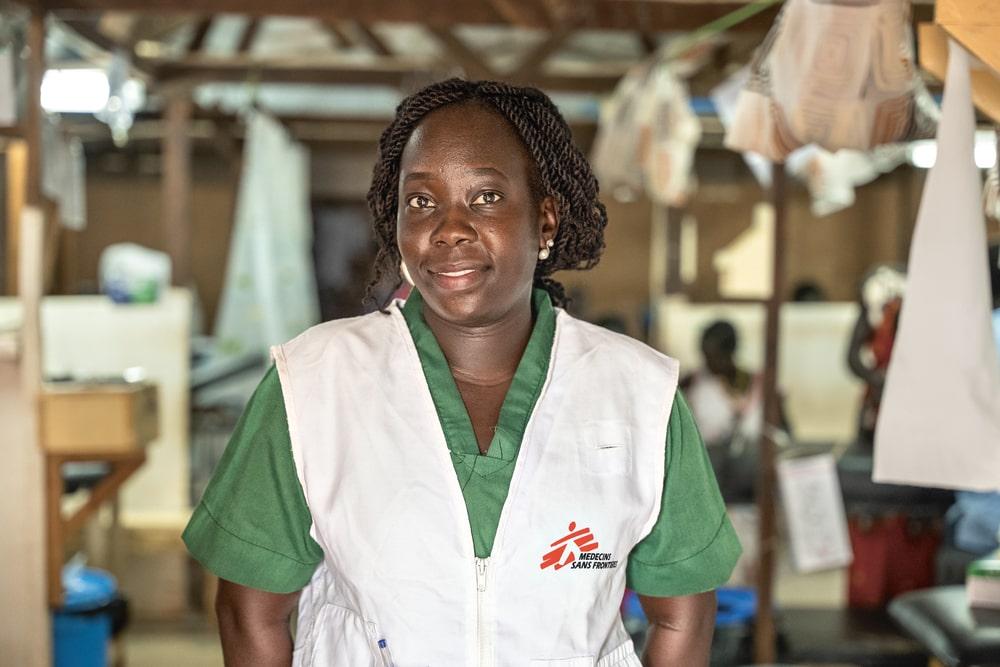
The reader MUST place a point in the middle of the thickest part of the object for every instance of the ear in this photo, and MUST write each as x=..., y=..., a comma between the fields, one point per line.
x=548, y=219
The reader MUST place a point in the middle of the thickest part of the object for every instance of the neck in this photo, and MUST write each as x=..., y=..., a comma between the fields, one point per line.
x=487, y=354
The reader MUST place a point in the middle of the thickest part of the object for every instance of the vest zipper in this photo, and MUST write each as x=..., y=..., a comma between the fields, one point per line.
x=484, y=637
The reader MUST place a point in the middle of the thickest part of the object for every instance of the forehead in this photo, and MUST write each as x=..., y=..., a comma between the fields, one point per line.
x=464, y=134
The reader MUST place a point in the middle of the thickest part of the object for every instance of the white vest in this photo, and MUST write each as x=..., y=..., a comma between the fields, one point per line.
x=400, y=584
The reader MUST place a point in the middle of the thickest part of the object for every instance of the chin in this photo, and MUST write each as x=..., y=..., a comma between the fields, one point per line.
x=467, y=308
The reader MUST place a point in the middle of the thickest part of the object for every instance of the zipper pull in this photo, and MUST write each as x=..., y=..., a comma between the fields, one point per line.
x=481, y=574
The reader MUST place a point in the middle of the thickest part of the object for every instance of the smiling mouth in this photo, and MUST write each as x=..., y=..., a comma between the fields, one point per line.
x=456, y=277
x=455, y=274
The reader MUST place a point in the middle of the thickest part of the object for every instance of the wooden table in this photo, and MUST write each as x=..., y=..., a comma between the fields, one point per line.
x=60, y=528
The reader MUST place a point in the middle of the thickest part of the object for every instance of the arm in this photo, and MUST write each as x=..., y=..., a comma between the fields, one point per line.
x=254, y=625
x=680, y=629
x=859, y=338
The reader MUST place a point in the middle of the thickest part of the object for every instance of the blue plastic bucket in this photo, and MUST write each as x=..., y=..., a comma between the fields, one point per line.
x=736, y=606
x=81, y=628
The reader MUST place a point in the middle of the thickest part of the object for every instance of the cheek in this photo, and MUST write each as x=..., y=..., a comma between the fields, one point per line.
x=406, y=240
x=518, y=250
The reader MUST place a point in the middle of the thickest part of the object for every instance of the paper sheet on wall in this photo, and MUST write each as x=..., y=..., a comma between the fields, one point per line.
x=814, y=511
x=939, y=422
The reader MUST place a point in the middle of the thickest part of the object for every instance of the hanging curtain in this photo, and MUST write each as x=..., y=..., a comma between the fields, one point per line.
x=269, y=295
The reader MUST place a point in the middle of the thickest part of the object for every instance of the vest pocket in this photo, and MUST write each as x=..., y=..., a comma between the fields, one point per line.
x=607, y=447
x=342, y=637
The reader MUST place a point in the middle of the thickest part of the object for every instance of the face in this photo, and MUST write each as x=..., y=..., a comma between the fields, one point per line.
x=468, y=226
x=718, y=359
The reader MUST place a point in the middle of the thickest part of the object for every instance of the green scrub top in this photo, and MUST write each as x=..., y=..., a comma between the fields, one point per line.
x=252, y=524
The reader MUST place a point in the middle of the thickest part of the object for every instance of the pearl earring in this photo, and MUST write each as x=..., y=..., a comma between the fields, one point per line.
x=544, y=253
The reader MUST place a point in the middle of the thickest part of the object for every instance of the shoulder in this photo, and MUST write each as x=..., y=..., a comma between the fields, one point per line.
x=590, y=338
x=342, y=334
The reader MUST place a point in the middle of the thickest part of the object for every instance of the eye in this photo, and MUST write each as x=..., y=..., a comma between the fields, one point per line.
x=487, y=198
x=419, y=201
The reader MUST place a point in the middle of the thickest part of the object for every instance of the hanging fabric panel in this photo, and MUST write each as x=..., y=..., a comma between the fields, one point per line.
x=939, y=421
x=270, y=287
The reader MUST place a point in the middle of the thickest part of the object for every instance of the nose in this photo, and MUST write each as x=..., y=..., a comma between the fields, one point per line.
x=453, y=228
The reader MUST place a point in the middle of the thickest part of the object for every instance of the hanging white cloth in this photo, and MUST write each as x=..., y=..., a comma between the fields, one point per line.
x=939, y=421
x=836, y=73
x=8, y=89
x=647, y=136
x=831, y=177
x=270, y=288
x=64, y=174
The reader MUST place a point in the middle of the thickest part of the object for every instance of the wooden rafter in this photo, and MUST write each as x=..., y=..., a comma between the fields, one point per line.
x=372, y=40
x=462, y=54
x=648, y=41
x=523, y=13
x=249, y=35
x=653, y=15
x=533, y=61
x=200, y=34
x=384, y=71
x=341, y=39
x=86, y=30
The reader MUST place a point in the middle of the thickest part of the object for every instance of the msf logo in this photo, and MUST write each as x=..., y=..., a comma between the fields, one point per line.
x=563, y=553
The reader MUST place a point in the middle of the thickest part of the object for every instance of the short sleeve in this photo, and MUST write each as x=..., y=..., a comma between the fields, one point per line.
x=692, y=547
x=252, y=524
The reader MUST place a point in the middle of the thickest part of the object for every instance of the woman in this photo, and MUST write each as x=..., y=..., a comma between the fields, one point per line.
x=473, y=477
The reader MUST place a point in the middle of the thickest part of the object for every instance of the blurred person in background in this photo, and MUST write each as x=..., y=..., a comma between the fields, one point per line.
x=808, y=291
x=880, y=299
x=727, y=402
x=472, y=476
x=724, y=398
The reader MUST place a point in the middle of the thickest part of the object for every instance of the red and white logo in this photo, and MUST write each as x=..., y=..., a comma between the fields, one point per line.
x=578, y=549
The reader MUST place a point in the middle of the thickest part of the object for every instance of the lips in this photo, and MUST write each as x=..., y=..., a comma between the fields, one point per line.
x=454, y=276
x=454, y=269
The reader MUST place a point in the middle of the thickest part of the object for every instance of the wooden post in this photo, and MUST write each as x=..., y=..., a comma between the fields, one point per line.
x=764, y=631
x=675, y=217
x=33, y=108
x=25, y=637
x=176, y=193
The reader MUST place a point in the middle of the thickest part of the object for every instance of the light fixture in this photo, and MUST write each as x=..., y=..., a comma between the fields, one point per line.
x=75, y=90
x=986, y=152
x=923, y=153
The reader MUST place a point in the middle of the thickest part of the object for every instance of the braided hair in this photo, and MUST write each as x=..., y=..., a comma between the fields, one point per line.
x=562, y=173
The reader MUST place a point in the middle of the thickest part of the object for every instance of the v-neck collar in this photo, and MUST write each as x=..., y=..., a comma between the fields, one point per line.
x=518, y=404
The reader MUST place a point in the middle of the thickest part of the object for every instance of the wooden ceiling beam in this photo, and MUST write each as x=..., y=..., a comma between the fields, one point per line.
x=372, y=40
x=521, y=13
x=394, y=72
x=341, y=39
x=249, y=35
x=86, y=30
x=474, y=65
x=533, y=61
x=651, y=15
x=200, y=33
x=206, y=125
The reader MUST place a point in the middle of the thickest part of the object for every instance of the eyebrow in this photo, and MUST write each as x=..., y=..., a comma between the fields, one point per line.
x=482, y=171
